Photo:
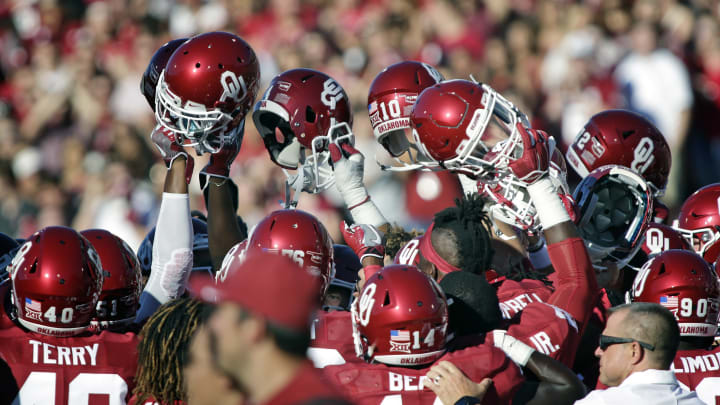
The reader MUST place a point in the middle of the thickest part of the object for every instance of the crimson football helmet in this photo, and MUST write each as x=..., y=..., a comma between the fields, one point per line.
x=614, y=206
x=684, y=283
x=621, y=137
x=206, y=89
x=237, y=252
x=458, y=123
x=157, y=64
x=300, y=114
x=56, y=282
x=699, y=221
x=661, y=237
x=299, y=236
x=390, y=101
x=122, y=284
x=401, y=318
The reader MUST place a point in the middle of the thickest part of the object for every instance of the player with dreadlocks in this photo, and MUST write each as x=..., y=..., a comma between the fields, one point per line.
x=163, y=350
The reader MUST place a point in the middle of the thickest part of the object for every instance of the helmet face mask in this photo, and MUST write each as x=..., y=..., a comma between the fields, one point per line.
x=192, y=122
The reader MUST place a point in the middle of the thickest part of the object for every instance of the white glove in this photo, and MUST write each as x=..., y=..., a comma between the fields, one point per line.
x=348, y=169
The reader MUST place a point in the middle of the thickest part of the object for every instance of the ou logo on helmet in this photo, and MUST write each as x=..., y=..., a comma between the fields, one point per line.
x=656, y=241
x=366, y=303
x=332, y=93
x=232, y=85
x=639, y=283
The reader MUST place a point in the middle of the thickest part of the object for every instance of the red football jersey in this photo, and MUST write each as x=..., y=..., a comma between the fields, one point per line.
x=549, y=329
x=699, y=370
x=515, y=295
x=331, y=339
x=83, y=369
x=373, y=384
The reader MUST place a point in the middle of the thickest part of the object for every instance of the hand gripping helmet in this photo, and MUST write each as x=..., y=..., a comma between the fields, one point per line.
x=621, y=137
x=122, y=284
x=157, y=64
x=300, y=114
x=390, y=101
x=614, y=208
x=458, y=122
x=699, y=221
x=299, y=236
x=513, y=204
x=684, y=283
x=206, y=89
x=56, y=282
x=660, y=238
x=8, y=248
x=401, y=318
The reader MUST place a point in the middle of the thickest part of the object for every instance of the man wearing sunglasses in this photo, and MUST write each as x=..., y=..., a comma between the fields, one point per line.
x=636, y=350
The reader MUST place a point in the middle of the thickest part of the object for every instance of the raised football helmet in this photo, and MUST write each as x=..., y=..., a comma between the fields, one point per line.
x=122, y=284
x=685, y=284
x=401, y=318
x=157, y=64
x=8, y=248
x=458, y=122
x=299, y=236
x=300, y=114
x=206, y=89
x=614, y=207
x=660, y=238
x=56, y=282
x=699, y=221
x=201, y=250
x=390, y=101
x=621, y=137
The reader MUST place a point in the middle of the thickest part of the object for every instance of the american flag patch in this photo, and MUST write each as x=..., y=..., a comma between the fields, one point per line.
x=669, y=302
x=399, y=335
x=372, y=107
x=33, y=305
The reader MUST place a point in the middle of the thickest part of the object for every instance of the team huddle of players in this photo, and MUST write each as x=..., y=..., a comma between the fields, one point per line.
x=513, y=282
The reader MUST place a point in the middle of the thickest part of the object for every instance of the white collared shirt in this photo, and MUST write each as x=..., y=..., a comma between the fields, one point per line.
x=652, y=387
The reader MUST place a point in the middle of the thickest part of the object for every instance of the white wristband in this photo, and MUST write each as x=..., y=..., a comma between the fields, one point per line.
x=516, y=350
x=368, y=213
x=546, y=200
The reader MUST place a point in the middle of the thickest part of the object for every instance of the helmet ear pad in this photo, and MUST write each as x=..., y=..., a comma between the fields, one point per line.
x=284, y=148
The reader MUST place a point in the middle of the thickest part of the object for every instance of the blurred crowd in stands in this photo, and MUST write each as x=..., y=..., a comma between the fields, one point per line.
x=74, y=127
